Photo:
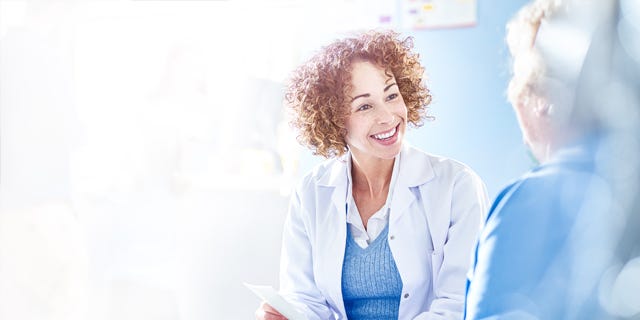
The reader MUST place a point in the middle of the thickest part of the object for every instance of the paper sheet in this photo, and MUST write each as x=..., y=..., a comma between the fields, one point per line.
x=274, y=299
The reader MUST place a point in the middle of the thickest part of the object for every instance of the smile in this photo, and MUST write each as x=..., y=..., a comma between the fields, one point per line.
x=386, y=135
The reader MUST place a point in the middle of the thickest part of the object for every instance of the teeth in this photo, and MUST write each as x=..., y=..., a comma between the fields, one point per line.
x=383, y=136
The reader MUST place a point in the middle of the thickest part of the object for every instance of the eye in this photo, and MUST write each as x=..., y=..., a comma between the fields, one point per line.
x=392, y=96
x=363, y=107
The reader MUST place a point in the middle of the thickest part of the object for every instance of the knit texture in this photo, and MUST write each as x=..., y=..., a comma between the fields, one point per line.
x=371, y=283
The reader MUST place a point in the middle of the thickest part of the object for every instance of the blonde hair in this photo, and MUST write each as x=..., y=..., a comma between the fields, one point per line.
x=528, y=66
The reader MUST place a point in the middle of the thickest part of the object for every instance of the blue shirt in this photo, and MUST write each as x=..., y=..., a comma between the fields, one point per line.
x=371, y=284
x=546, y=243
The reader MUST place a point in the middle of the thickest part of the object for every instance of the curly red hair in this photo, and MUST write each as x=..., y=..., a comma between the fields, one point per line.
x=318, y=90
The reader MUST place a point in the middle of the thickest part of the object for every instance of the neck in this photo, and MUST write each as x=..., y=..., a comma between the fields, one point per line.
x=372, y=177
x=552, y=142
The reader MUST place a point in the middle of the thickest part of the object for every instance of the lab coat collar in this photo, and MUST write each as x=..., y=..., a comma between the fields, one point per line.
x=336, y=175
x=417, y=169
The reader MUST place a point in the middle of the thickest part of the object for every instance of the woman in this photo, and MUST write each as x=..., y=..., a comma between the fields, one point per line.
x=547, y=248
x=381, y=230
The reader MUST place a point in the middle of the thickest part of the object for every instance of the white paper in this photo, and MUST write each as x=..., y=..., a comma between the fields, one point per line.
x=274, y=299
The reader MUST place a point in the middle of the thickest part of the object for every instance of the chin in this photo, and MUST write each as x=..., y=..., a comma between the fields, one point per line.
x=392, y=153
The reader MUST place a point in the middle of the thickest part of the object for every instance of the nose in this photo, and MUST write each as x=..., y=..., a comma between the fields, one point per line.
x=385, y=115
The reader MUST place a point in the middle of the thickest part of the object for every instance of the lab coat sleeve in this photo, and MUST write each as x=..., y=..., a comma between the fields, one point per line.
x=297, y=283
x=469, y=204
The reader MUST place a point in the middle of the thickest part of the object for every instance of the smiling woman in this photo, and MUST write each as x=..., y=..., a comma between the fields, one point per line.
x=304, y=95
x=377, y=118
x=381, y=230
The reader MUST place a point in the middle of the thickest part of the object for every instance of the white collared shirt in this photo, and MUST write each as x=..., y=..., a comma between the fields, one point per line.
x=378, y=221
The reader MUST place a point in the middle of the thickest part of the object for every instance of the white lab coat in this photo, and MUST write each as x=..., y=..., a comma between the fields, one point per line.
x=436, y=212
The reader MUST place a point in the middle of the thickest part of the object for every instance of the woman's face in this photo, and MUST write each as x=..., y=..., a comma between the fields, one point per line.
x=377, y=114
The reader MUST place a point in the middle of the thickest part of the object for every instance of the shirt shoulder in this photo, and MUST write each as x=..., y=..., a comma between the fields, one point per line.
x=443, y=169
x=325, y=173
x=550, y=195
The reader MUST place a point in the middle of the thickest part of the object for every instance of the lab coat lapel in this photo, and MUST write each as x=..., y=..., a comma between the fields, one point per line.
x=335, y=223
x=401, y=201
x=415, y=170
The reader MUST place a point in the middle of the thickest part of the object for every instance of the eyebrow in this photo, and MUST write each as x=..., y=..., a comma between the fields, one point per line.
x=389, y=86
x=366, y=95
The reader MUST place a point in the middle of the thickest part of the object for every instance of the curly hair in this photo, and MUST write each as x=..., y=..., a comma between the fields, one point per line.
x=318, y=90
x=527, y=65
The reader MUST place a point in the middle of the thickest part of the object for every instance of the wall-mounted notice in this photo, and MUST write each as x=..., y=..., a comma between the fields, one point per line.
x=427, y=14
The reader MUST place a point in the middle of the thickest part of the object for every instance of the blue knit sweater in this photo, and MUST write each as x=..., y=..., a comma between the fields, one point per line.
x=371, y=283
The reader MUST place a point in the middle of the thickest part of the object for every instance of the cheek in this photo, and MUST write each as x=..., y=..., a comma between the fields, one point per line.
x=519, y=109
x=403, y=103
x=529, y=122
x=352, y=126
x=523, y=116
x=402, y=110
x=349, y=124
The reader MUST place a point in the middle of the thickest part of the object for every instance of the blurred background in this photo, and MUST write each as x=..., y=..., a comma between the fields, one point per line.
x=145, y=157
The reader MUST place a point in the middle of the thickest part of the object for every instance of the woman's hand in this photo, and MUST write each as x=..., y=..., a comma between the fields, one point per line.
x=266, y=312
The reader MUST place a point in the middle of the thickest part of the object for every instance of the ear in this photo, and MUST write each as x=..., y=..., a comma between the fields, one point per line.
x=542, y=107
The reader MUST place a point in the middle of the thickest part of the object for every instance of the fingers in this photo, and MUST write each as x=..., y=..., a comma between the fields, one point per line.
x=264, y=315
x=268, y=308
x=267, y=312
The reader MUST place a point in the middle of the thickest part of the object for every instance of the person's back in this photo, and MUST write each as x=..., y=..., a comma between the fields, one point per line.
x=546, y=243
x=556, y=240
